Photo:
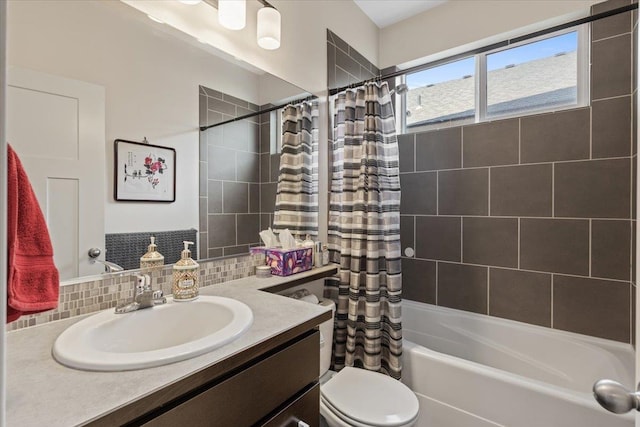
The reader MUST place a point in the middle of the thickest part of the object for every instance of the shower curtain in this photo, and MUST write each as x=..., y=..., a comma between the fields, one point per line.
x=297, y=192
x=364, y=231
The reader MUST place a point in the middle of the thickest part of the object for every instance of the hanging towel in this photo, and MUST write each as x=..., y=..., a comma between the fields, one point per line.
x=33, y=283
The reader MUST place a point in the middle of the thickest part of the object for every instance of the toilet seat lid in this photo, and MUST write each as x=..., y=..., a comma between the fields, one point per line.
x=370, y=398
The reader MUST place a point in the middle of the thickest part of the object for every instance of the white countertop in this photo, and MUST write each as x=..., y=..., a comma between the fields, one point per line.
x=40, y=391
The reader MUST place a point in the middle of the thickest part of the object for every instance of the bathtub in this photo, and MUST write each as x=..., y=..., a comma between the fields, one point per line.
x=470, y=370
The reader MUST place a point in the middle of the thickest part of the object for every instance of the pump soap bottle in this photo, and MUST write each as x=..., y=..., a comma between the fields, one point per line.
x=152, y=260
x=186, y=273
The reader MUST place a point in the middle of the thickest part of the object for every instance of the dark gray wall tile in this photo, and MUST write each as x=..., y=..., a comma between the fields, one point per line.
x=248, y=167
x=254, y=136
x=233, y=100
x=350, y=65
x=611, y=26
x=275, y=167
x=202, y=214
x=222, y=163
x=493, y=143
x=611, y=67
x=202, y=104
x=265, y=138
x=406, y=147
x=439, y=149
x=265, y=167
x=593, y=189
x=611, y=127
x=248, y=228
x=235, y=197
x=419, y=280
x=331, y=66
x=216, y=253
x=254, y=198
x=211, y=92
x=463, y=287
x=406, y=232
x=214, y=197
x=555, y=136
x=213, y=135
x=266, y=221
x=490, y=241
x=338, y=42
x=268, y=197
x=610, y=249
x=554, y=245
x=589, y=306
x=222, y=230
x=633, y=255
x=203, y=246
x=438, y=237
x=220, y=106
x=236, y=135
x=204, y=174
x=463, y=192
x=520, y=295
x=236, y=250
x=609, y=5
x=419, y=193
x=524, y=190
x=214, y=117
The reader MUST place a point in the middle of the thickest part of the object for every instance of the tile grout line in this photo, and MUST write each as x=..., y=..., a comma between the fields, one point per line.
x=590, y=244
x=488, y=290
x=559, y=218
x=462, y=239
x=552, y=276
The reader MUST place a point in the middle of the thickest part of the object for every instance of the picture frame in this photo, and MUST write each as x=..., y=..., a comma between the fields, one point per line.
x=144, y=172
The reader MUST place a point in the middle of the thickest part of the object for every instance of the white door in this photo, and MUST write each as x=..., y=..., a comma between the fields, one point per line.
x=56, y=126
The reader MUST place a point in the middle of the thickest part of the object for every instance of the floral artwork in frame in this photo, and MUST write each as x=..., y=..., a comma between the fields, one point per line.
x=144, y=172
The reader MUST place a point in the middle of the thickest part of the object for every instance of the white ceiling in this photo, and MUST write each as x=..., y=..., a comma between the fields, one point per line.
x=386, y=12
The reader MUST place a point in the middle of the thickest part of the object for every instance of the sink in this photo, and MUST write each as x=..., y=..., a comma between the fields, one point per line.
x=154, y=336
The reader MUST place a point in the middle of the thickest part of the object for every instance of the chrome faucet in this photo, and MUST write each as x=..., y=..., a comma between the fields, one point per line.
x=110, y=267
x=143, y=296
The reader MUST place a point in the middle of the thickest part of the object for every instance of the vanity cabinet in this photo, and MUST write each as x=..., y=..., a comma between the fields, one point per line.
x=276, y=389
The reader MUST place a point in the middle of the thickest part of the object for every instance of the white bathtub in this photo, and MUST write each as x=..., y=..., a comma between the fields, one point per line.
x=474, y=370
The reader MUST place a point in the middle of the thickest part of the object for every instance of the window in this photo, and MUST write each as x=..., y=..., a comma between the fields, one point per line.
x=544, y=74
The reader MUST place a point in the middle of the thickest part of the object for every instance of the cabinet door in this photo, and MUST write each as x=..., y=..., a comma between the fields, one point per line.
x=250, y=395
x=306, y=408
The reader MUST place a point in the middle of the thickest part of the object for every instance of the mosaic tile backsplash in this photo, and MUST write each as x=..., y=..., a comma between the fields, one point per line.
x=100, y=294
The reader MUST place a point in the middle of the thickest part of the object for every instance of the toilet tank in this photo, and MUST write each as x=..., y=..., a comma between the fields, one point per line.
x=326, y=338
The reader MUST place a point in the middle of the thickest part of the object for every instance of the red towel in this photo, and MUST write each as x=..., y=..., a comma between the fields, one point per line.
x=33, y=283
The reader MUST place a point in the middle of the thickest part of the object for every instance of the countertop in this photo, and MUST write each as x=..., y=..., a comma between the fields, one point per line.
x=40, y=391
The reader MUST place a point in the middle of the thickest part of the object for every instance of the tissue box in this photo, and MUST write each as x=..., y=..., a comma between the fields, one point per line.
x=288, y=262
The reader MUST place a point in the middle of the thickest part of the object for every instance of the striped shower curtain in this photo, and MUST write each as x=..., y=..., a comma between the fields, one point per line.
x=297, y=193
x=364, y=231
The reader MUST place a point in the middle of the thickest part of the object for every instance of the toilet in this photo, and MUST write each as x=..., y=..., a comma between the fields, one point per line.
x=381, y=400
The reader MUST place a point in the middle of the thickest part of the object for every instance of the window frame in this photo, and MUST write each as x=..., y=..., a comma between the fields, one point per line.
x=480, y=80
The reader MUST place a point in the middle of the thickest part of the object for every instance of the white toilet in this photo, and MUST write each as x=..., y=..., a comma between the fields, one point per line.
x=381, y=400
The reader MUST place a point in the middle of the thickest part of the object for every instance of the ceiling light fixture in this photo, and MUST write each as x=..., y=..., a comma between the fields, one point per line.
x=269, y=23
x=232, y=14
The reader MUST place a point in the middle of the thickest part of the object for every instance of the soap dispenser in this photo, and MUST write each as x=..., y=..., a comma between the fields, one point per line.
x=186, y=273
x=152, y=260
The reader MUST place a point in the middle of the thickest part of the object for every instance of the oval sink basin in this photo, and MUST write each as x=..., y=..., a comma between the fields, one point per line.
x=154, y=336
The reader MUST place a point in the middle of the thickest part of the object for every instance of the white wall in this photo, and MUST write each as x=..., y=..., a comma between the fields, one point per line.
x=151, y=81
x=459, y=25
x=302, y=56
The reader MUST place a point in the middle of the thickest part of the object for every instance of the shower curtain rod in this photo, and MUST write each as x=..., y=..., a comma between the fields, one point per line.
x=497, y=45
x=266, y=110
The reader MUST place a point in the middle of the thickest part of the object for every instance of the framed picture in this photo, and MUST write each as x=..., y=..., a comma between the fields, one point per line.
x=144, y=172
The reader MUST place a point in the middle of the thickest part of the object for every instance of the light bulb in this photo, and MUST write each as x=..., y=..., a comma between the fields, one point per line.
x=232, y=14
x=269, y=28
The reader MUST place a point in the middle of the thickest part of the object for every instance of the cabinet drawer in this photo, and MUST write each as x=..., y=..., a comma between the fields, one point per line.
x=248, y=396
x=305, y=408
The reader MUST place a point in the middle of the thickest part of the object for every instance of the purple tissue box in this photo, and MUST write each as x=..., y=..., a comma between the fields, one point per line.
x=286, y=263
